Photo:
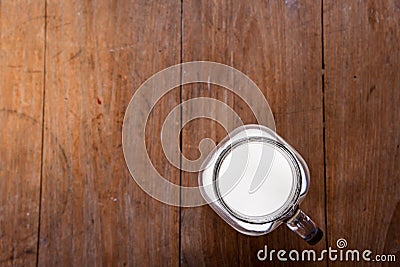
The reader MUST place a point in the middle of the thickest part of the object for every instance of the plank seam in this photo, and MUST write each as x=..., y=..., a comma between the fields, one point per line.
x=180, y=143
x=324, y=125
x=43, y=128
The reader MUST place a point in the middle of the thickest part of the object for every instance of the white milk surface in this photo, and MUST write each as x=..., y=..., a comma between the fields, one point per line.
x=271, y=171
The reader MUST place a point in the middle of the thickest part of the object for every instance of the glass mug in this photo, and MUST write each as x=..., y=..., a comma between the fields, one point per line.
x=255, y=181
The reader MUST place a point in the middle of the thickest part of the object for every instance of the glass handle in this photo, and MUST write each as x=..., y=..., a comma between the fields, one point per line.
x=306, y=228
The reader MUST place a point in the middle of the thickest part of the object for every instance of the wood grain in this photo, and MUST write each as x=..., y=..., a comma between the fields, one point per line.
x=21, y=100
x=362, y=123
x=83, y=60
x=93, y=213
x=278, y=44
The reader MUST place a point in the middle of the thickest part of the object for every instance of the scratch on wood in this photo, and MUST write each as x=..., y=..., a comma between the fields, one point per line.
x=33, y=71
x=18, y=114
x=61, y=25
x=63, y=154
x=76, y=54
x=14, y=66
x=121, y=48
x=371, y=89
x=58, y=53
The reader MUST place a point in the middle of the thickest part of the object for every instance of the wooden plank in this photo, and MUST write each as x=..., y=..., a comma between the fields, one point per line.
x=362, y=131
x=21, y=100
x=278, y=44
x=93, y=213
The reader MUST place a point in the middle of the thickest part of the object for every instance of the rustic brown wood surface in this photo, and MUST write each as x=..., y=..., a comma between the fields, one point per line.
x=329, y=69
x=21, y=111
x=278, y=46
x=362, y=98
x=92, y=212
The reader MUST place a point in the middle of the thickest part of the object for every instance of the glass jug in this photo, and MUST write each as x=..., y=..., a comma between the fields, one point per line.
x=255, y=181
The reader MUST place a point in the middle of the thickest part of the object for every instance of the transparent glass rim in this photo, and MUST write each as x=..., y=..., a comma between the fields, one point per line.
x=294, y=193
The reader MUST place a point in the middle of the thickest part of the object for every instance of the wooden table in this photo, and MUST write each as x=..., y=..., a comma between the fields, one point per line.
x=329, y=69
